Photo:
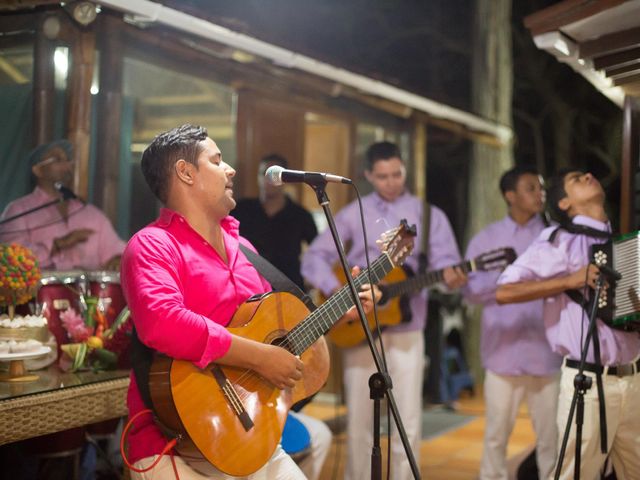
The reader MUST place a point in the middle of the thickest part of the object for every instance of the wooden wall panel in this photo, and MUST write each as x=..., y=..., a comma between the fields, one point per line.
x=266, y=126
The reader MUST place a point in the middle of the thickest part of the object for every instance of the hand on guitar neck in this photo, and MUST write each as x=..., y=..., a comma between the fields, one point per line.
x=366, y=295
x=454, y=277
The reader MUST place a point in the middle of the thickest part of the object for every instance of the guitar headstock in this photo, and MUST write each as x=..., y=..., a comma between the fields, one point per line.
x=398, y=242
x=497, y=259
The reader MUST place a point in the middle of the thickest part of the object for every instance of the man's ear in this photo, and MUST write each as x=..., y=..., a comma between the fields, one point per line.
x=564, y=204
x=509, y=196
x=184, y=171
x=37, y=170
x=368, y=176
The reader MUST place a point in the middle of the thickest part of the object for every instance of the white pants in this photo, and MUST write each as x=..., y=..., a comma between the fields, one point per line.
x=503, y=396
x=622, y=398
x=311, y=465
x=405, y=359
x=279, y=467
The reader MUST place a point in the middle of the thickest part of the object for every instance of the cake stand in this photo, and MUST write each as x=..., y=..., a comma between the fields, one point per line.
x=17, y=371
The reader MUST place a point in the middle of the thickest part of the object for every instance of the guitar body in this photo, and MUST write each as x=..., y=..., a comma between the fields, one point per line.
x=237, y=434
x=350, y=334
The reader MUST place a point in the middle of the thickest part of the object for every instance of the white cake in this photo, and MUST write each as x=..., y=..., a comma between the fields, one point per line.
x=21, y=328
x=19, y=346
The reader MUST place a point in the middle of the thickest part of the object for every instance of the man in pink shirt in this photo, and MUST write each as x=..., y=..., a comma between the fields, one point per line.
x=66, y=235
x=184, y=276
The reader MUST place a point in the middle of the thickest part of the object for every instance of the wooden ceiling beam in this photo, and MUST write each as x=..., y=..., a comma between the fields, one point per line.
x=612, y=43
x=13, y=5
x=627, y=80
x=617, y=59
x=622, y=70
x=564, y=13
x=17, y=24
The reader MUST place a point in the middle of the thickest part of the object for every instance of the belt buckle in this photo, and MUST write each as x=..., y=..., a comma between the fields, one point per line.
x=625, y=370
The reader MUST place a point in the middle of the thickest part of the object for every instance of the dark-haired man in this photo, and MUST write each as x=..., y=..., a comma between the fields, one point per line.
x=275, y=224
x=404, y=345
x=184, y=277
x=66, y=235
x=557, y=262
x=515, y=353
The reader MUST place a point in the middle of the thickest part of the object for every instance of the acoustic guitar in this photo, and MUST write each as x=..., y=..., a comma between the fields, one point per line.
x=231, y=418
x=394, y=305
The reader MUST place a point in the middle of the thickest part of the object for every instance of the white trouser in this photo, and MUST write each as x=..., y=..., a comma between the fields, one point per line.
x=503, y=396
x=311, y=465
x=622, y=398
x=405, y=360
x=279, y=467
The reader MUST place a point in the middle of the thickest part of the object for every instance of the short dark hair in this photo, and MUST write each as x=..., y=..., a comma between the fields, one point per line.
x=509, y=179
x=556, y=192
x=165, y=150
x=381, y=151
x=276, y=159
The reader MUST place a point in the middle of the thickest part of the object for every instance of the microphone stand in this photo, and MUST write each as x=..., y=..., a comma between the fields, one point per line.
x=380, y=382
x=65, y=194
x=31, y=210
x=581, y=384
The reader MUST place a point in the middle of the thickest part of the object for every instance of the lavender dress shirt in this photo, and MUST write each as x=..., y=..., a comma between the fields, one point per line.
x=513, y=340
x=37, y=231
x=380, y=215
x=565, y=320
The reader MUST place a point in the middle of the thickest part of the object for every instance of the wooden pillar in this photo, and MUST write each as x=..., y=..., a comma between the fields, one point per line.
x=420, y=159
x=630, y=164
x=79, y=105
x=43, y=86
x=492, y=97
x=109, y=118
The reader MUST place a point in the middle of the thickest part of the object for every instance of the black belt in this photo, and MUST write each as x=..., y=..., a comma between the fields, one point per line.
x=618, y=370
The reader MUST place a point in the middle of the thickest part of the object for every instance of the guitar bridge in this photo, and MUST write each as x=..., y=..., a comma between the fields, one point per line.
x=232, y=397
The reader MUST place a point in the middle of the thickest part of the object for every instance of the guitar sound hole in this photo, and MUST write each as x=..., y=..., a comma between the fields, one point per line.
x=282, y=342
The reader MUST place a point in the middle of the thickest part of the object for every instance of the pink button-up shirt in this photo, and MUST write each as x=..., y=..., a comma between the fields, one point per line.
x=181, y=295
x=38, y=230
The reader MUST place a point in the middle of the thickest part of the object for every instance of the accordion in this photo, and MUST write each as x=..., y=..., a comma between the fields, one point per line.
x=619, y=304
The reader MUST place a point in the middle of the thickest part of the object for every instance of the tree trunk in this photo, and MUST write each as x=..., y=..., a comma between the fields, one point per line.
x=492, y=87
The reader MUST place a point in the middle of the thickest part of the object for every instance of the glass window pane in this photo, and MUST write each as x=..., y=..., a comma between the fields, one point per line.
x=160, y=99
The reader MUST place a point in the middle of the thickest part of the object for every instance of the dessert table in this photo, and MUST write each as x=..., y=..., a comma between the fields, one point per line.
x=58, y=401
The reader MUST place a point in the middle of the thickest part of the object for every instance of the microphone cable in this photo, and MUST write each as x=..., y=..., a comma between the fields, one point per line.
x=38, y=227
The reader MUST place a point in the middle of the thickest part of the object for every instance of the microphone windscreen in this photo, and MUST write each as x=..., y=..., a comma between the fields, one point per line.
x=274, y=174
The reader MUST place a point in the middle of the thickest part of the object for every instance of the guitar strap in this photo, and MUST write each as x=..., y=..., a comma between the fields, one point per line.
x=280, y=283
x=278, y=280
x=423, y=258
x=579, y=298
x=142, y=356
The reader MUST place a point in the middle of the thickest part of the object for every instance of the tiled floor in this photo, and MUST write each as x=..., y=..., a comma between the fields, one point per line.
x=454, y=455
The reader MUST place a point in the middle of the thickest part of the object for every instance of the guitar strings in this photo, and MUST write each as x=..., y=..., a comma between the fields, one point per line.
x=311, y=328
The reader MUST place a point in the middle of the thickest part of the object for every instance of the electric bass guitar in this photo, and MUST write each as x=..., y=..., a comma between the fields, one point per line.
x=231, y=418
x=394, y=305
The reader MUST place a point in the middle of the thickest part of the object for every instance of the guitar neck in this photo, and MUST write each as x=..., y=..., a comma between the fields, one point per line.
x=324, y=317
x=423, y=280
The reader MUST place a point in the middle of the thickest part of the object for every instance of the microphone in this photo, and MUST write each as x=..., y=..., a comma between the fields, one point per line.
x=609, y=272
x=276, y=175
x=66, y=193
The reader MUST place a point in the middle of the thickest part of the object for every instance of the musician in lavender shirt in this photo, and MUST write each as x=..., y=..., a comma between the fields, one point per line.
x=518, y=360
x=404, y=344
x=557, y=262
